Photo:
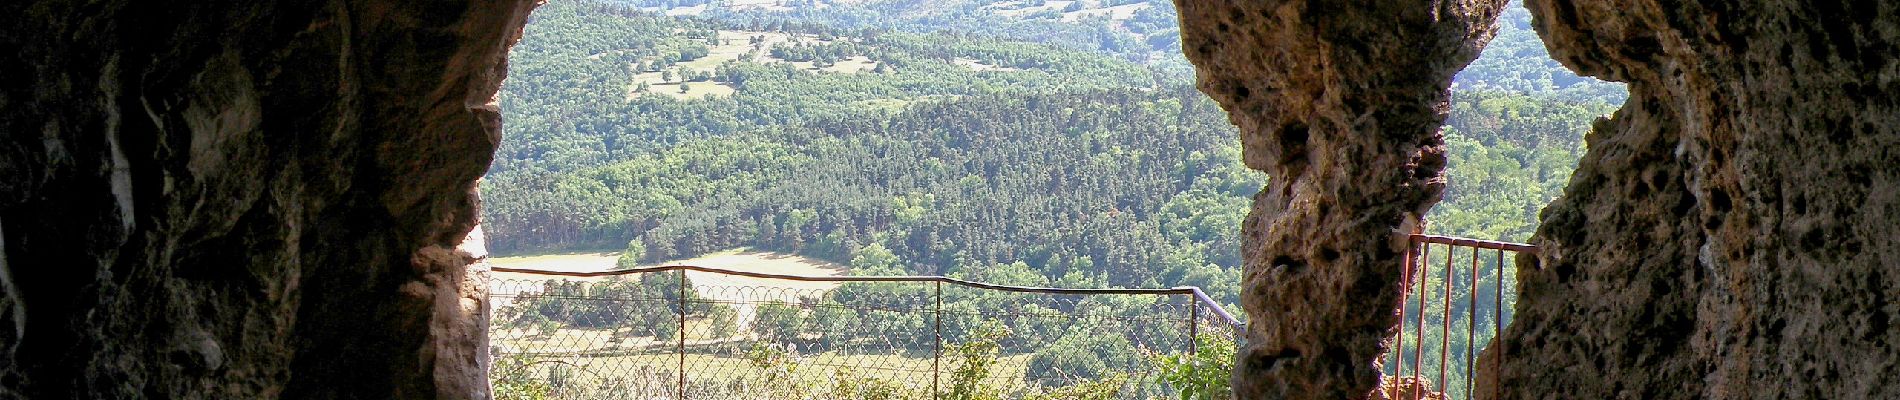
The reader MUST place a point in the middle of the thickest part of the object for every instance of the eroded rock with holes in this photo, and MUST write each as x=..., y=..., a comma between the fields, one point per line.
x=238, y=200
x=1340, y=103
x=1732, y=231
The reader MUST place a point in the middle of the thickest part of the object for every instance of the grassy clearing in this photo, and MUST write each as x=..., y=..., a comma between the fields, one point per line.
x=694, y=90
x=1017, y=9
x=738, y=291
x=1117, y=13
x=573, y=262
x=736, y=46
x=766, y=5
x=852, y=65
x=976, y=65
x=1088, y=9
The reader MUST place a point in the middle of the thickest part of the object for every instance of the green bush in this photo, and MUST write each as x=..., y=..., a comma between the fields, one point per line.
x=1203, y=375
x=512, y=380
x=974, y=360
x=1083, y=355
x=777, y=321
x=847, y=384
x=724, y=321
x=1094, y=389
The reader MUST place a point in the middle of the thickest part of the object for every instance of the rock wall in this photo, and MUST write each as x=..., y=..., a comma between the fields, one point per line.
x=238, y=200
x=1340, y=103
x=1732, y=231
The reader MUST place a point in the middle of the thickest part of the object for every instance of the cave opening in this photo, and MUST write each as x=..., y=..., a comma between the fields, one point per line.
x=266, y=200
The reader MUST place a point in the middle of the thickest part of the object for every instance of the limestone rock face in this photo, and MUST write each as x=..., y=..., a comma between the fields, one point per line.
x=1733, y=230
x=1405, y=388
x=237, y=200
x=1340, y=103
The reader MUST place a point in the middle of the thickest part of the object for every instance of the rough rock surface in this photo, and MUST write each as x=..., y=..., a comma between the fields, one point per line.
x=1405, y=388
x=1732, y=231
x=1340, y=103
x=239, y=200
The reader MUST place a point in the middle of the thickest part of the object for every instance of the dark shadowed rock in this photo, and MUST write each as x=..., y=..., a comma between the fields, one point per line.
x=236, y=200
x=1732, y=232
x=1340, y=103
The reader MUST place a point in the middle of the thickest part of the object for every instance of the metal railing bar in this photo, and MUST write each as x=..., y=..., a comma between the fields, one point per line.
x=1418, y=329
x=937, y=360
x=1471, y=325
x=589, y=298
x=1214, y=306
x=1233, y=323
x=1444, y=343
x=805, y=278
x=837, y=306
x=1482, y=244
x=1090, y=317
x=683, y=287
x=1405, y=284
x=1497, y=319
x=1194, y=325
x=819, y=364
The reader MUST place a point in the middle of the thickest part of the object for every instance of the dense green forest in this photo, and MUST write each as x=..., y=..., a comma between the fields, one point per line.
x=1056, y=143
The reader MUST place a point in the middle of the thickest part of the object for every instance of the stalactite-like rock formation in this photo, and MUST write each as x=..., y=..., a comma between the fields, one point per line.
x=240, y=200
x=1733, y=230
x=1340, y=103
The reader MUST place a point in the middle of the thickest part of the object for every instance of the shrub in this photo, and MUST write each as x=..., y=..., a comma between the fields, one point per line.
x=512, y=380
x=1204, y=375
x=974, y=360
x=1082, y=355
x=777, y=321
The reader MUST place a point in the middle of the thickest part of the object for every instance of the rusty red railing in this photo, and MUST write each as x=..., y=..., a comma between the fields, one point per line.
x=1417, y=297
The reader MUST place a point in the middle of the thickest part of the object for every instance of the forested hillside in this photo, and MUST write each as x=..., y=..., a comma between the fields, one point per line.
x=1035, y=142
x=962, y=138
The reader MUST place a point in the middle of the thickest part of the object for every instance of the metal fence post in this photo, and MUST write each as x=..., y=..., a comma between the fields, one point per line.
x=1418, y=326
x=1444, y=328
x=1497, y=319
x=1405, y=287
x=1471, y=329
x=937, y=360
x=681, y=347
x=1194, y=324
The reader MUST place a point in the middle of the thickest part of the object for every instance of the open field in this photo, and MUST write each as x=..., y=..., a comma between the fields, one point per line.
x=737, y=46
x=738, y=291
x=694, y=90
x=699, y=333
x=1117, y=13
x=1088, y=9
x=770, y=262
x=569, y=262
x=849, y=65
x=975, y=65
x=1017, y=8
x=766, y=5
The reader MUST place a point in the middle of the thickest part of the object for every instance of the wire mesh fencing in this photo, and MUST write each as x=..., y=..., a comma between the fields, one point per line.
x=1456, y=298
x=701, y=333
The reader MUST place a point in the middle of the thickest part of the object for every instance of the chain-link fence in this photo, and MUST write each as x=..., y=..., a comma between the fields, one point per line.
x=703, y=333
